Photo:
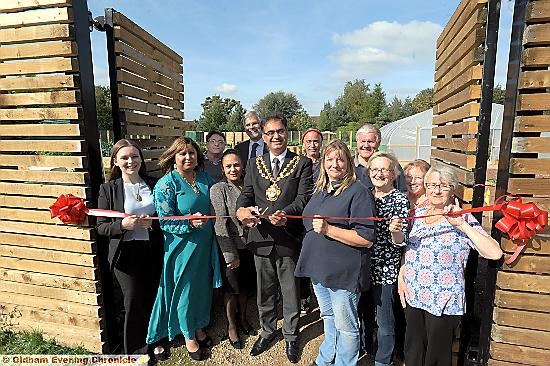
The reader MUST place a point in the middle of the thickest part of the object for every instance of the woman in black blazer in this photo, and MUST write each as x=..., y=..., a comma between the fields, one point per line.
x=136, y=244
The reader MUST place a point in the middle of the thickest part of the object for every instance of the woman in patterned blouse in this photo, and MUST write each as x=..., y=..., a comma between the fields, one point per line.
x=387, y=249
x=431, y=281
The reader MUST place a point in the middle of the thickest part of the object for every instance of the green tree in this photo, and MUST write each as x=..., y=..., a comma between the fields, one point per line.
x=278, y=103
x=300, y=121
x=408, y=109
x=221, y=114
x=103, y=107
x=395, y=109
x=355, y=100
x=499, y=94
x=423, y=100
x=376, y=102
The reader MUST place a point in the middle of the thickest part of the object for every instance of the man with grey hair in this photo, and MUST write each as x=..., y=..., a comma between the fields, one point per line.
x=255, y=146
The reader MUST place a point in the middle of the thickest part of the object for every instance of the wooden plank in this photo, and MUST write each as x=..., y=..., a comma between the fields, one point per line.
x=89, y=339
x=51, y=292
x=149, y=96
x=37, y=129
x=58, y=269
x=41, y=242
x=149, y=108
x=533, y=102
x=522, y=301
x=523, y=281
x=42, y=190
x=147, y=119
x=131, y=72
x=461, y=128
x=38, y=66
x=51, y=32
x=43, y=145
x=532, y=264
x=48, y=97
x=77, y=259
x=532, y=123
x=536, y=35
x=464, y=193
x=49, y=304
x=458, y=114
x=20, y=5
x=120, y=19
x=463, y=160
x=492, y=362
x=474, y=19
x=530, y=166
x=36, y=17
x=535, y=79
x=445, y=88
x=460, y=45
x=537, y=245
x=38, y=50
x=531, y=144
x=470, y=94
x=36, y=114
x=539, y=186
x=464, y=176
x=61, y=231
x=43, y=177
x=536, y=56
x=522, y=319
x=25, y=201
x=51, y=280
x=152, y=154
x=39, y=82
x=121, y=48
x=470, y=59
x=523, y=337
x=145, y=48
x=520, y=354
x=46, y=315
x=462, y=144
x=24, y=161
x=25, y=215
x=462, y=12
x=152, y=131
x=537, y=11
x=157, y=143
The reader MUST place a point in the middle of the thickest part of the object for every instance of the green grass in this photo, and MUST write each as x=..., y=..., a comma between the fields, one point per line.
x=33, y=342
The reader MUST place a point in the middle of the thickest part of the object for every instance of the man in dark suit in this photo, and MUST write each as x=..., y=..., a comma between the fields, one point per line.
x=278, y=182
x=255, y=146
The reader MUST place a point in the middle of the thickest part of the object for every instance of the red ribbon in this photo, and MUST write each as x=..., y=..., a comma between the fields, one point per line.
x=521, y=221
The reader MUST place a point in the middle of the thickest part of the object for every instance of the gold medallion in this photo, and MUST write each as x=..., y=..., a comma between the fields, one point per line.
x=272, y=192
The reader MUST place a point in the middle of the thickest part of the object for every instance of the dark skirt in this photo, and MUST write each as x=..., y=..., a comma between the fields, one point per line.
x=242, y=278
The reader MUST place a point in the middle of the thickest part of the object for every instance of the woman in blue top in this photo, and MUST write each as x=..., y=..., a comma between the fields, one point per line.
x=335, y=253
x=191, y=265
x=431, y=281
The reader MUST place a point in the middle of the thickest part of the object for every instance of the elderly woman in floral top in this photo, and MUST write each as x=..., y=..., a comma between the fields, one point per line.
x=431, y=281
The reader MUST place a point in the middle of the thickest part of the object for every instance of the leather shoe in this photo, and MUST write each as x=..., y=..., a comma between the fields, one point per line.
x=292, y=351
x=198, y=355
x=206, y=342
x=260, y=346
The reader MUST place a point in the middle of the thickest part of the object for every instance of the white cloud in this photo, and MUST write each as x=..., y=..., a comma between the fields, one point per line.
x=226, y=88
x=384, y=46
x=101, y=76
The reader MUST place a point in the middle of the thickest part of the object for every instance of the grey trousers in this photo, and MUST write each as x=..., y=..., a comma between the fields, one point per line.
x=271, y=272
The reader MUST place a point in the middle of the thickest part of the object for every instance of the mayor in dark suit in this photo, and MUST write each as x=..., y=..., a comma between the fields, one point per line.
x=255, y=146
x=278, y=182
x=135, y=243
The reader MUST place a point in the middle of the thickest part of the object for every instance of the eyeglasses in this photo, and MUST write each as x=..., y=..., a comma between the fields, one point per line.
x=272, y=133
x=412, y=179
x=441, y=186
x=380, y=170
x=219, y=142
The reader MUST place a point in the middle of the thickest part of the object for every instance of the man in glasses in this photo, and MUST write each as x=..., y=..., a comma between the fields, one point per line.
x=255, y=146
x=277, y=182
x=215, y=146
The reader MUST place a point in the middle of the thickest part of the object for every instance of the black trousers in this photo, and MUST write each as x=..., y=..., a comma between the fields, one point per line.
x=138, y=272
x=271, y=272
x=429, y=338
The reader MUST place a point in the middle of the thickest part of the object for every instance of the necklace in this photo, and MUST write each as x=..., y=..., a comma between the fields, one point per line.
x=192, y=184
x=273, y=191
x=136, y=189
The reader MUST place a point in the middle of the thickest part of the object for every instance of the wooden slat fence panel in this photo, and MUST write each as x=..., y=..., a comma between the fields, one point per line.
x=48, y=271
x=521, y=318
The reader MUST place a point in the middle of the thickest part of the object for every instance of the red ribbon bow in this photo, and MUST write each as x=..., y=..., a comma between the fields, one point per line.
x=69, y=209
x=521, y=221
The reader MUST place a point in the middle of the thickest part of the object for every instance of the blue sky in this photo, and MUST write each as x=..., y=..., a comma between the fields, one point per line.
x=246, y=49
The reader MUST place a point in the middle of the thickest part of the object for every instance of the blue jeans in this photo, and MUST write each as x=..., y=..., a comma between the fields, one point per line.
x=383, y=296
x=339, y=313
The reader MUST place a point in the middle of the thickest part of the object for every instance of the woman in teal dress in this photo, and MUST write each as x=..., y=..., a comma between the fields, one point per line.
x=191, y=264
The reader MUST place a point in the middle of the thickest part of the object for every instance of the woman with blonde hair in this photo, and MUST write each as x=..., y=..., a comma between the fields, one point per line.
x=414, y=177
x=335, y=253
x=191, y=265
